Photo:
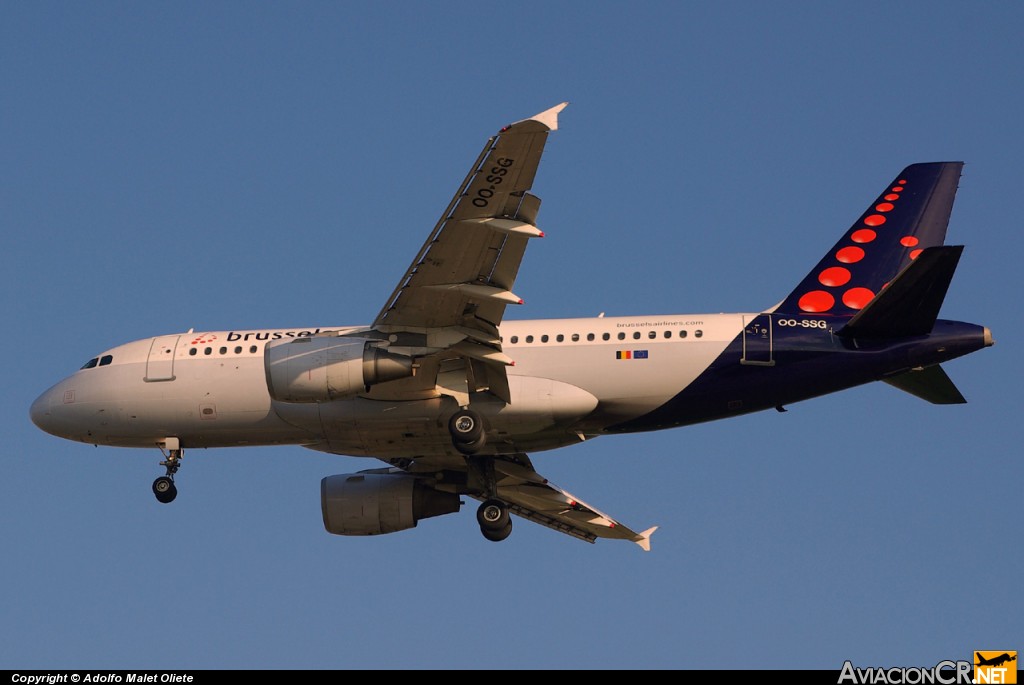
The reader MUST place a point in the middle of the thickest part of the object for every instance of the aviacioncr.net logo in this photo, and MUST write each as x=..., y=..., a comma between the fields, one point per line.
x=943, y=673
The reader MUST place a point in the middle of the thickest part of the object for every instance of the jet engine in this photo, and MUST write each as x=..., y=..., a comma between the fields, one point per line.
x=374, y=503
x=320, y=369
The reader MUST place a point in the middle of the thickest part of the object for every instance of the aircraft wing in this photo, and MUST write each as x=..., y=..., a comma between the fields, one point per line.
x=455, y=291
x=534, y=498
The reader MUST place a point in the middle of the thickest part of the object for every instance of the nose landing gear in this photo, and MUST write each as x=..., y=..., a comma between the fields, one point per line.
x=163, y=487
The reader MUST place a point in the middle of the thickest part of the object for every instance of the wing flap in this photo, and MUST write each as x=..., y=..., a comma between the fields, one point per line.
x=533, y=497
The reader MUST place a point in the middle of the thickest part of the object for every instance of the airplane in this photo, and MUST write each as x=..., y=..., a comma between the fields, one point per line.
x=453, y=398
x=995, y=661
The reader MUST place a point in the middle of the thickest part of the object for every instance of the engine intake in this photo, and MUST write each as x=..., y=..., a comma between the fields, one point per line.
x=319, y=369
x=376, y=503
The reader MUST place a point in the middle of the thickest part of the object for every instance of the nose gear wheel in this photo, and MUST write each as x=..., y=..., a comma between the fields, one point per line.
x=163, y=487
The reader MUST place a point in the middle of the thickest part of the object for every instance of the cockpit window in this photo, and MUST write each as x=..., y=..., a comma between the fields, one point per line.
x=98, y=361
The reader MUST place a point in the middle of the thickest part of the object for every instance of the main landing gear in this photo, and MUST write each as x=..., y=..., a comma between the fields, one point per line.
x=467, y=430
x=494, y=519
x=493, y=515
x=469, y=437
x=163, y=487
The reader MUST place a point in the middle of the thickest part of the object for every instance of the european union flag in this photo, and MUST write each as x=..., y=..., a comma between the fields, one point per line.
x=639, y=354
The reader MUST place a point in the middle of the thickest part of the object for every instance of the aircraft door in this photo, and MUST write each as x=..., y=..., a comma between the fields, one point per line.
x=757, y=341
x=160, y=364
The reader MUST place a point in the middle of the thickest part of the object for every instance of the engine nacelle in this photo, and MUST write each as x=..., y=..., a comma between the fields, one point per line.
x=376, y=503
x=319, y=369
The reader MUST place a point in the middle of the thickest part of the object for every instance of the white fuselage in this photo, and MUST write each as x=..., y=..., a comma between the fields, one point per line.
x=571, y=379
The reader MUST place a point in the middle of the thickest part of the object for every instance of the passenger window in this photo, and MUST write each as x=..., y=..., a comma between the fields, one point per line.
x=652, y=335
x=636, y=335
x=575, y=337
x=208, y=350
x=544, y=338
x=192, y=351
x=682, y=334
x=223, y=350
x=622, y=336
x=590, y=337
x=91, y=363
x=106, y=359
x=560, y=338
x=529, y=338
x=238, y=350
x=605, y=336
x=252, y=349
x=668, y=334
x=698, y=333
x=515, y=339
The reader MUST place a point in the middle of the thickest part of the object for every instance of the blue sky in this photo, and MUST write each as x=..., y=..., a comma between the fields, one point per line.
x=249, y=165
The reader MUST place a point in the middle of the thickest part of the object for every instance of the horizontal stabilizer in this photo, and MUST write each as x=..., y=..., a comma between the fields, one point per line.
x=930, y=384
x=910, y=304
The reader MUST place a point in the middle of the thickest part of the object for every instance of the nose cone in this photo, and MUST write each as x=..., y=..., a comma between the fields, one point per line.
x=40, y=408
x=40, y=412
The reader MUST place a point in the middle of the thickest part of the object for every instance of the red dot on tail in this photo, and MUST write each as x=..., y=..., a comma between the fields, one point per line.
x=891, y=196
x=864, y=235
x=915, y=253
x=908, y=241
x=874, y=220
x=902, y=181
x=834, y=276
x=884, y=207
x=897, y=189
x=850, y=255
x=817, y=301
x=857, y=298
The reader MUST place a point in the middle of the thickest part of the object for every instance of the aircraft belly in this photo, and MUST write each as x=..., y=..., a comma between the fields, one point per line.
x=364, y=427
x=417, y=428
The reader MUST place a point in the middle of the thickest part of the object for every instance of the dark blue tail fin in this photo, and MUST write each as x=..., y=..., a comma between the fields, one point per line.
x=910, y=215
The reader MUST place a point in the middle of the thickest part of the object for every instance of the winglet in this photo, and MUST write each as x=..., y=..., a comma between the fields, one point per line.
x=644, y=539
x=548, y=118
